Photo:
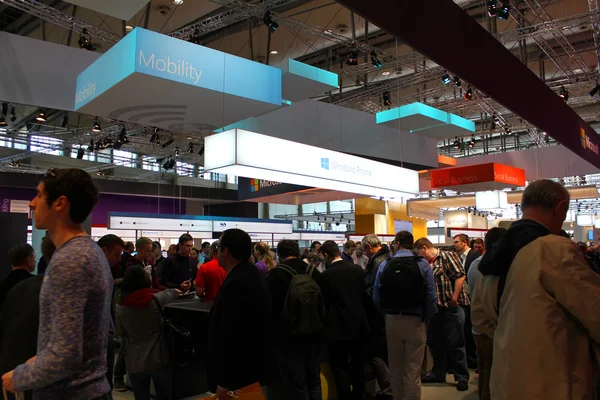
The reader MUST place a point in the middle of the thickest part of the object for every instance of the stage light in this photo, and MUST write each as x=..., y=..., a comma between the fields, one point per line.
x=13, y=115
x=374, y=60
x=387, y=98
x=469, y=94
x=2, y=120
x=508, y=131
x=352, y=57
x=190, y=148
x=4, y=109
x=504, y=12
x=65, y=121
x=91, y=146
x=96, y=126
x=492, y=6
x=169, y=164
x=80, y=154
x=85, y=40
x=446, y=79
x=41, y=117
x=117, y=145
x=101, y=173
x=472, y=142
x=178, y=2
x=595, y=90
x=201, y=152
x=564, y=94
x=268, y=20
x=496, y=119
x=123, y=136
x=153, y=138
x=456, y=143
x=177, y=153
x=167, y=143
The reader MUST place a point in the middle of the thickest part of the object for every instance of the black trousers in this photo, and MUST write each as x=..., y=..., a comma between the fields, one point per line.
x=347, y=360
x=299, y=367
x=470, y=346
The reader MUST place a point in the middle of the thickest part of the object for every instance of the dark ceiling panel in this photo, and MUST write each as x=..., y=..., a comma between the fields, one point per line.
x=443, y=32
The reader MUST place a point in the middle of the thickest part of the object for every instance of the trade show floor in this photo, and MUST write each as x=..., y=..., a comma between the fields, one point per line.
x=439, y=391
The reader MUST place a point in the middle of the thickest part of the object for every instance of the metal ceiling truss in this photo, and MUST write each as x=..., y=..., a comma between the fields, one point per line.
x=52, y=15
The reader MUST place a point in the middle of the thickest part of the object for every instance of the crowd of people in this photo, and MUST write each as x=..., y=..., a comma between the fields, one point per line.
x=518, y=308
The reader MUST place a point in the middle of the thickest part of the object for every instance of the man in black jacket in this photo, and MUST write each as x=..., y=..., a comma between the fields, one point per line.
x=180, y=269
x=349, y=313
x=239, y=320
x=297, y=357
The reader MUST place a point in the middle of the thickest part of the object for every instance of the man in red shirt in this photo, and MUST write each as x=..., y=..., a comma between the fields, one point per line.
x=210, y=276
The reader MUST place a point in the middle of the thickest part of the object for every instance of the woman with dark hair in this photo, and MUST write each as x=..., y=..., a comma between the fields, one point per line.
x=140, y=322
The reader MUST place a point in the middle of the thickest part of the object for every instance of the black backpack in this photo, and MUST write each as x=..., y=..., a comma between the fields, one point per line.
x=402, y=285
x=303, y=309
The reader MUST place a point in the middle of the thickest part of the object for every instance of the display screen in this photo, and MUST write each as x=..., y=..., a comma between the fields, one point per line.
x=401, y=225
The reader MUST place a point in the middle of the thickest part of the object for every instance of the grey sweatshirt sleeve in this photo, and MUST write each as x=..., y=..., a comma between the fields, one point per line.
x=165, y=297
x=66, y=290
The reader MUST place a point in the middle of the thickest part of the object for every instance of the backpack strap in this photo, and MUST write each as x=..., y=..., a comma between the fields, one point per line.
x=310, y=269
x=286, y=268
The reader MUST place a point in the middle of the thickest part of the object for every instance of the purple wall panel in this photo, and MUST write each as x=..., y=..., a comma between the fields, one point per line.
x=110, y=202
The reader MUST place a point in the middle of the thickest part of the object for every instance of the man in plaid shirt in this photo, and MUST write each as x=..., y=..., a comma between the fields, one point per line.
x=445, y=332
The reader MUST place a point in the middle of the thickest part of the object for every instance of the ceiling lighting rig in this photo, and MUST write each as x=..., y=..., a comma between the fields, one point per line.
x=85, y=40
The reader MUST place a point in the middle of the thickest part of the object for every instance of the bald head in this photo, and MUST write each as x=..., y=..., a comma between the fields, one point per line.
x=546, y=202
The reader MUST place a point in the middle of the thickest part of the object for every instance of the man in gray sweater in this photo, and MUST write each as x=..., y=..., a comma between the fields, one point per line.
x=75, y=298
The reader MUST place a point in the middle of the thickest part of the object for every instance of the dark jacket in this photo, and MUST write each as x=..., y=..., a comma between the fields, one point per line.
x=124, y=258
x=139, y=321
x=238, y=330
x=12, y=279
x=19, y=320
x=278, y=283
x=497, y=260
x=472, y=256
x=178, y=269
x=373, y=266
x=349, y=307
x=346, y=257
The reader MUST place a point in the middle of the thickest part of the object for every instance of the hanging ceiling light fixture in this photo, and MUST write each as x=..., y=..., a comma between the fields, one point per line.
x=469, y=94
x=41, y=117
x=96, y=126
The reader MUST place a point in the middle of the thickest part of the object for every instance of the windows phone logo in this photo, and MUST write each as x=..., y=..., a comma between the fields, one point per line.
x=325, y=163
x=254, y=185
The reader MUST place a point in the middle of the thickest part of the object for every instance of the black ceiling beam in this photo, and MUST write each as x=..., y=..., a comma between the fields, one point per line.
x=456, y=41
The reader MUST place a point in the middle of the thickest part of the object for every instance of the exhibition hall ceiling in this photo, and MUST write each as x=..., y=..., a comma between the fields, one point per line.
x=554, y=38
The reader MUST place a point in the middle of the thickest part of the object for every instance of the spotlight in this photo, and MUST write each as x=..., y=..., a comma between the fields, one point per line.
x=4, y=109
x=96, y=126
x=469, y=94
x=446, y=79
x=387, y=98
x=508, y=131
x=101, y=173
x=123, y=136
x=564, y=93
x=374, y=60
x=41, y=117
x=456, y=143
x=352, y=57
x=91, y=146
x=153, y=138
x=492, y=6
x=595, y=90
x=496, y=119
x=272, y=25
x=504, y=12
x=65, y=121
x=190, y=148
x=457, y=81
x=201, y=152
x=472, y=142
x=80, y=154
x=13, y=115
x=177, y=153
x=85, y=40
x=337, y=224
x=117, y=145
x=167, y=143
x=2, y=120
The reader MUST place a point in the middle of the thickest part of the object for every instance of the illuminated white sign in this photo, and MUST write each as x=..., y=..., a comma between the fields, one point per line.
x=252, y=227
x=585, y=220
x=417, y=210
x=160, y=224
x=456, y=219
x=492, y=200
x=241, y=153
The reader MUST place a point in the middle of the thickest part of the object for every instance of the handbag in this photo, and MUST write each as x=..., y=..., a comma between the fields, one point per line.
x=178, y=338
x=18, y=396
x=251, y=392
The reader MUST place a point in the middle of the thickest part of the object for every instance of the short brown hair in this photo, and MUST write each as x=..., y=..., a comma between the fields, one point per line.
x=349, y=244
x=423, y=243
x=462, y=237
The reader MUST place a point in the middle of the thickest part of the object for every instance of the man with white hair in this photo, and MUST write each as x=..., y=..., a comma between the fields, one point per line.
x=545, y=304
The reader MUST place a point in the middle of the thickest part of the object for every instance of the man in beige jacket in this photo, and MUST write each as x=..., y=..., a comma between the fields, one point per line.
x=548, y=318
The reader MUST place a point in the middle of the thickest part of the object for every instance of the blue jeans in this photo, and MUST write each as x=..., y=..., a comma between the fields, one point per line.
x=445, y=336
x=140, y=383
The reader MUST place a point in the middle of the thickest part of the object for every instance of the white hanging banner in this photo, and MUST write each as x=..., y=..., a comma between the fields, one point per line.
x=242, y=153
